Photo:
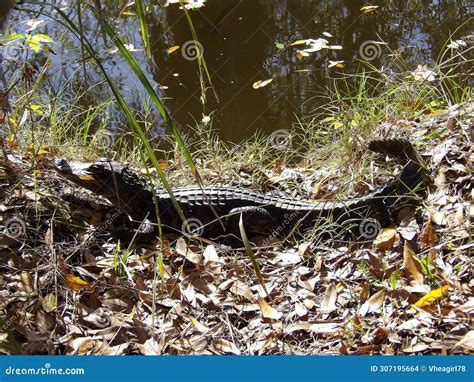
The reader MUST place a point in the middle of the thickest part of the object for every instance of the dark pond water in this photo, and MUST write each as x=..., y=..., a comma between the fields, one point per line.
x=249, y=40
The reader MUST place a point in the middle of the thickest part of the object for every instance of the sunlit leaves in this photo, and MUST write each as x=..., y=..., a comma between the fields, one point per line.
x=75, y=283
x=432, y=296
x=172, y=49
x=337, y=64
x=188, y=4
x=261, y=83
x=423, y=73
x=369, y=8
x=34, y=41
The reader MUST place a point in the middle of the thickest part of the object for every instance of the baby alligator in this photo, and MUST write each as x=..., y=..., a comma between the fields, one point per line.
x=215, y=211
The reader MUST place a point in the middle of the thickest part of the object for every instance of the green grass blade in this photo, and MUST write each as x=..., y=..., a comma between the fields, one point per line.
x=144, y=28
x=250, y=254
x=151, y=92
x=137, y=130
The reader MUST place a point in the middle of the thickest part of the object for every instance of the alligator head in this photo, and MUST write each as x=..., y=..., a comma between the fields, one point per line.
x=113, y=180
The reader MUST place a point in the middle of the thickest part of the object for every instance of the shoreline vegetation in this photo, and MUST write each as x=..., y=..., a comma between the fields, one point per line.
x=69, y=288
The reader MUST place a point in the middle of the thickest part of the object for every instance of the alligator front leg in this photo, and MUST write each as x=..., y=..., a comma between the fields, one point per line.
x=145, y=233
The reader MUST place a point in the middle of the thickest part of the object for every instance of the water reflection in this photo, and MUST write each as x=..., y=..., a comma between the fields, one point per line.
x=249, y=40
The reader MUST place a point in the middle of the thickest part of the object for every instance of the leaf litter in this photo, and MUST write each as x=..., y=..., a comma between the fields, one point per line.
x=67, y=288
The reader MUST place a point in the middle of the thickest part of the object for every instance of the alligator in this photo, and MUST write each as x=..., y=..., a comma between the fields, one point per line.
x=215, y=212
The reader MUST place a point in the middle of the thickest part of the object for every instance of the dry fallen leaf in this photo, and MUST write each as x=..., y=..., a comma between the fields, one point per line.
x=75, y=283
x=328, y=304
x=467, y=341
x=432, y=297
x=428, y=237
x=385, y=239
x=373, y=304
x=183, y=249
x=267, y=310
x=225, y=346
x=242, y=289
x=411, y=266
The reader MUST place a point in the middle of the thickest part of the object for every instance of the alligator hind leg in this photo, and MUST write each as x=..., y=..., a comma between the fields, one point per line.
x=256, y=220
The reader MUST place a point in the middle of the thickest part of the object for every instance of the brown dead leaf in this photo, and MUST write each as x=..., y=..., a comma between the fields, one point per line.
x=467, y=341
x=183, y=249
x=380, y=334
x=150, y=347
x=328, y=304
x=364, y=292
x=416, y=348
x=373, y=304
x=411, y=266
x=225, y=346
x=428, y=237
x=198, y=325
x=385, y=239
x=241, y=289
x=267, y=310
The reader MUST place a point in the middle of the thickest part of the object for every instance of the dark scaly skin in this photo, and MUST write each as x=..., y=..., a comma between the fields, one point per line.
x=261, y=213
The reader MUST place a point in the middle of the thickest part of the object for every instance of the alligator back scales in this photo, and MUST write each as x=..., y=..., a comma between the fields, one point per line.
x=212, y=211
